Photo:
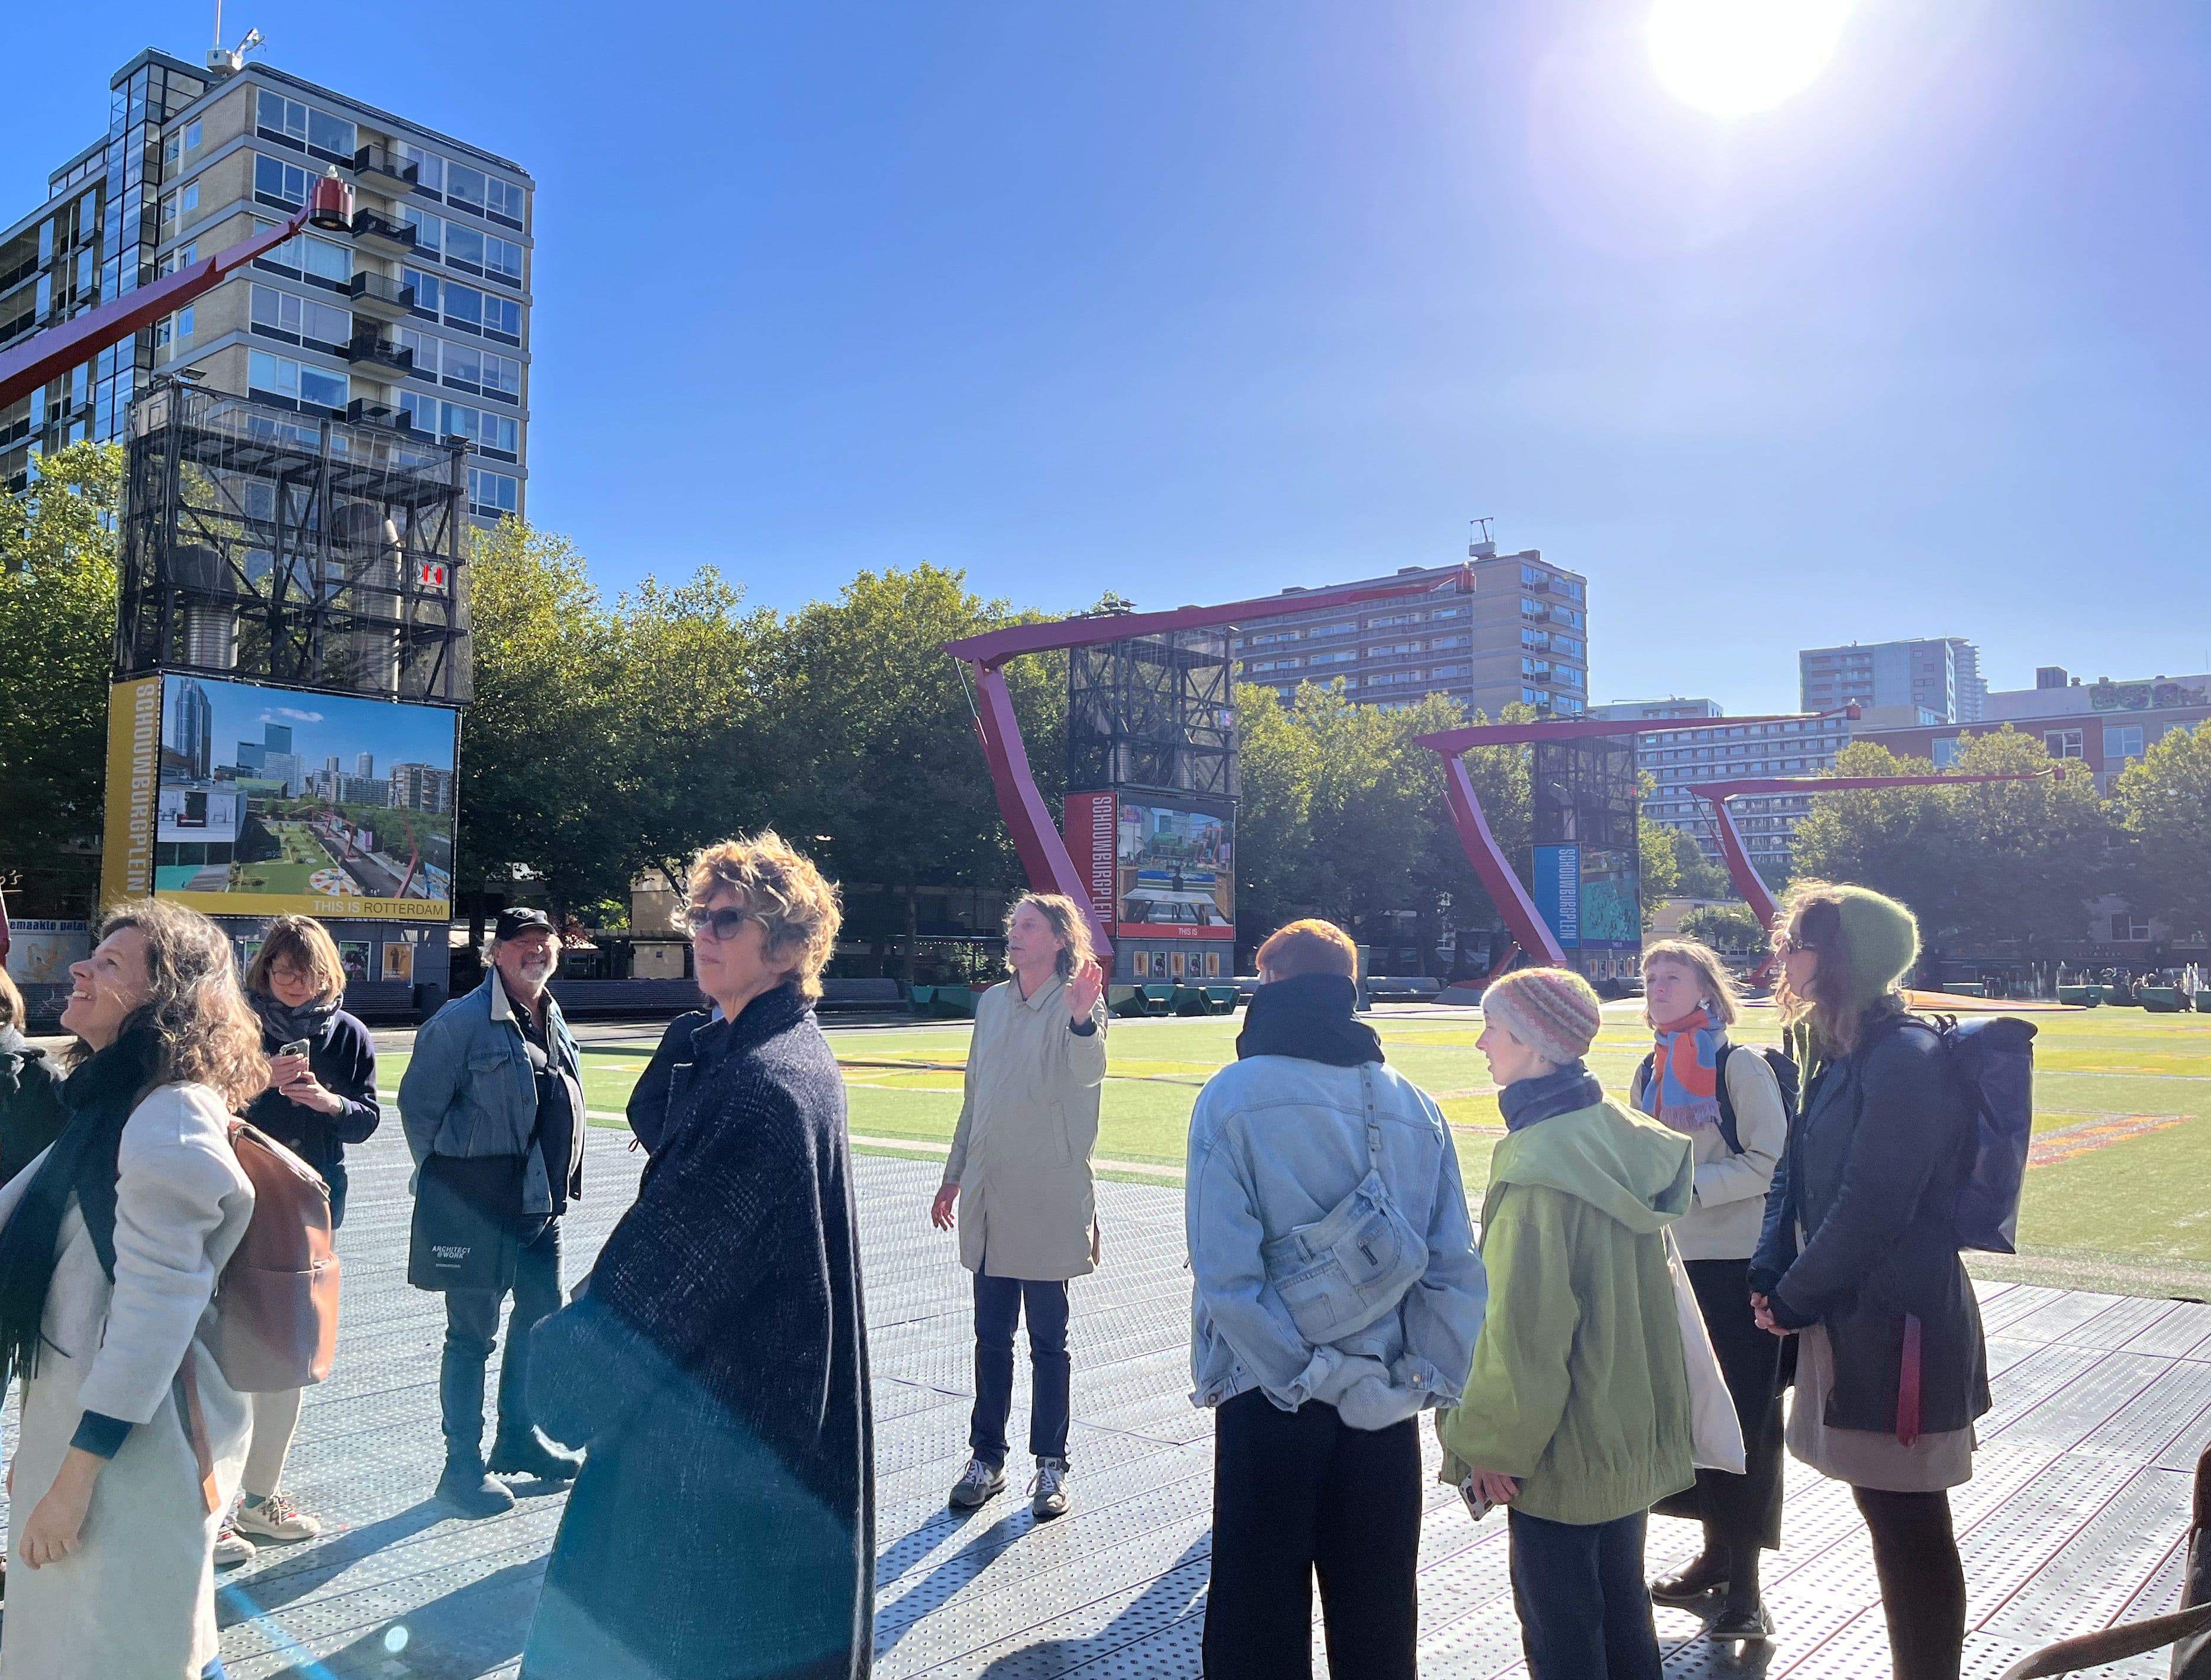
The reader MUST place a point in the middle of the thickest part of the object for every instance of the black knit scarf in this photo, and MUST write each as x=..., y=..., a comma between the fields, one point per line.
x=98, y=1097
x=1527, y=1101
x=282, y=1024
x=1308, y=1016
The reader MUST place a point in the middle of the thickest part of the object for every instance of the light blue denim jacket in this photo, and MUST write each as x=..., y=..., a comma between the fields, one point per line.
x=1276, y=1142
x=468, y=1088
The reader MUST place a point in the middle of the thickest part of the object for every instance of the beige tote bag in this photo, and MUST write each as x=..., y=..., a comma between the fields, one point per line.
x=1716, y=1431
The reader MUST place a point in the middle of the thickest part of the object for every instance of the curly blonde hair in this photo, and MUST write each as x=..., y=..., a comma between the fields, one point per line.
x=208, y=1035
x=796, y=906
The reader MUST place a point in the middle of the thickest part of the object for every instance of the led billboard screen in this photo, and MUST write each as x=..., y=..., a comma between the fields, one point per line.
x=1174, y=872
x=266, y=799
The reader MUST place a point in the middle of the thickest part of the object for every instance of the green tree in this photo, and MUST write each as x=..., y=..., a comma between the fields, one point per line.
x=57, y=604
x=1724, y=927
x=886, y=778
x=1279, y=762
x=540, y=744
x=2014, y=862
x=2164, y=806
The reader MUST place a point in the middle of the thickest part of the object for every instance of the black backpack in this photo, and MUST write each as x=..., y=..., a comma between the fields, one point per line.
x=1785, y=1074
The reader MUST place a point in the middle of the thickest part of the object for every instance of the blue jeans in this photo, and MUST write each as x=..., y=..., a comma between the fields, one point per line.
x=1585, y=1611
x=471, y=1333
x=998, y=1305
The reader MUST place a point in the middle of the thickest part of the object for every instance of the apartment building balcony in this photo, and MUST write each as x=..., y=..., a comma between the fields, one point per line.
x=380, y=296
x=385, y=170
x=379, y=356
x=379, y=236
x=361, y=412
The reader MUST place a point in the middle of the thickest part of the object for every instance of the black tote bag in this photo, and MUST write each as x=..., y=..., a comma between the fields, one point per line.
x=467, y=1212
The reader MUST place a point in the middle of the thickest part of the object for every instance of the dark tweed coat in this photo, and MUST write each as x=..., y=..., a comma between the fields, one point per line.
x=715, y=1366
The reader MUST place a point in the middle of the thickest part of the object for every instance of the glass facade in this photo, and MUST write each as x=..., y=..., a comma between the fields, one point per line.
x=188, y=166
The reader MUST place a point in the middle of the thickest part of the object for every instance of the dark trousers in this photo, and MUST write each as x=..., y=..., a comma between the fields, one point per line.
x=1300, y=1493
x=999, y=1302
x=1923, y=1582
x=472, y=1331
x=1584, y=1612
x=1741, y=1514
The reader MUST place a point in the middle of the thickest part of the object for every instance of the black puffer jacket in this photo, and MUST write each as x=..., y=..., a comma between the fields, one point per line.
x=1873, y=1171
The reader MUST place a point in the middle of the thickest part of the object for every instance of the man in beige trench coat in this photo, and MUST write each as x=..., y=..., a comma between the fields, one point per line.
x=1020, y=1173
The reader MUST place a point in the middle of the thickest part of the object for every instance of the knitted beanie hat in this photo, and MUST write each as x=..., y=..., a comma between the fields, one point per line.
x=1552, y=1011
x=1882, y=938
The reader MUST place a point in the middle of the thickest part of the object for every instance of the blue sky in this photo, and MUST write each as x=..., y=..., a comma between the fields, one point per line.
x=1192, y=301
x=321, y=725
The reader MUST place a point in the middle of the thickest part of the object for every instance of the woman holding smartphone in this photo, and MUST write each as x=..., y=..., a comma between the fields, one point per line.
x=321, y=1096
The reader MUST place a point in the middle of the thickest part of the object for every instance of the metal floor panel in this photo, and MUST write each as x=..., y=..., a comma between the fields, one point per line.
x=2067, y=1522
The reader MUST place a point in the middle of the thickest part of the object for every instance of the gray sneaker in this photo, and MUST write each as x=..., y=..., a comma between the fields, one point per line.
x=978, y=1483
x=1049, y=1490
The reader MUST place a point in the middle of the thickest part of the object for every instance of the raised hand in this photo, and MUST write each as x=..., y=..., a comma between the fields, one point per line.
x=1084, y=987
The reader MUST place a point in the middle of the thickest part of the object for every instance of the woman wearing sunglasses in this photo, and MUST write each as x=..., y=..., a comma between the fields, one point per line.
x=715, y=1361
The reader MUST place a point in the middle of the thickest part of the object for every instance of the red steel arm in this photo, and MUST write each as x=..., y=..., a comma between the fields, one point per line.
x=1511, y=899
x=51, y=353
x=1042, y=852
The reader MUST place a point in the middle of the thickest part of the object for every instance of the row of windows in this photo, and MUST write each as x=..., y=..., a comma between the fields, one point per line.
x=465, y=307
x=281, y=185
x=495, y=434
x=471, y=249
x=464, y=366
x=438, y=177
x=1535, y=577
x=301, y=320
x=289, y=123
x=1346, y=626
x=295, y=382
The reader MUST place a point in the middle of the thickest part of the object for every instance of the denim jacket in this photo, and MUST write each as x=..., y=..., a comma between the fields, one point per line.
x=469, y=1090
x=1276, y=1142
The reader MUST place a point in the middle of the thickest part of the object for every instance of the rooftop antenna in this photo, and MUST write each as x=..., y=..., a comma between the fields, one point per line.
x=1482, y=543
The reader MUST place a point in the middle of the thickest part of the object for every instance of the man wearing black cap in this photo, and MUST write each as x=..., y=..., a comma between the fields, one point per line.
x=492, y=1106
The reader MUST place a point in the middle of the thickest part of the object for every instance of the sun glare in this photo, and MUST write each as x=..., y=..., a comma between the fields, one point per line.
x=1734, y=56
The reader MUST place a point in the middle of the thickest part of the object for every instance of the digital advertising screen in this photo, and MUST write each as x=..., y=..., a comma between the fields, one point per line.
x=1174, y=874
x=239, y=799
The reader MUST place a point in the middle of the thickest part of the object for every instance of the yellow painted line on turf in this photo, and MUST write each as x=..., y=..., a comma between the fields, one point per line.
x=924, y=1145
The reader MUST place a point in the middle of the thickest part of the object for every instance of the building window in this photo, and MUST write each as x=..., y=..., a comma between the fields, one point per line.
x=429, y=168
x=283, y=185
x=503, y=202
x=179, y=210
x=2128, y=930
x=1340, y=656
x=2065, y=743
x=281, y=315
x=426, y=287
x=1272, y=665
x=291, y=124
x=171, y=330
x=493, y=494
x=1534, y=639
x=503, y=259
x=294, y=383
x=2122, y=741
x=1946, y=751
x=1566, y=646
x=464, y=186
x=429, y=231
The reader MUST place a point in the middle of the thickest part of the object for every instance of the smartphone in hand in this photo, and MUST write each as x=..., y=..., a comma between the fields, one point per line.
x=1476, y=1505
x=298, y=1047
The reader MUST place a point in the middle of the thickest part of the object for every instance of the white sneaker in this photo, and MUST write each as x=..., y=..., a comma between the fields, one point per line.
x=1049, y=1490
x=274, y=1518
x=233, y=1548
x=978, y=1483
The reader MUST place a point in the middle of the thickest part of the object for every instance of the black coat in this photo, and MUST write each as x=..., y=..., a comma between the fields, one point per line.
x=30, y=1109
x=1872, y=1170
x=665, y=1084
x=343, y=1059
x=715, y=1365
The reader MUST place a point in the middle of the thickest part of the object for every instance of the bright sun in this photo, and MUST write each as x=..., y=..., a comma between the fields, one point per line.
x=1734, y=56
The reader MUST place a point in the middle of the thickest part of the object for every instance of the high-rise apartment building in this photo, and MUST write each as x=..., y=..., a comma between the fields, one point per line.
x=1679, y=758
x=1942, y=674
x=422, y=310
x=1520, y=634
x=190, y=727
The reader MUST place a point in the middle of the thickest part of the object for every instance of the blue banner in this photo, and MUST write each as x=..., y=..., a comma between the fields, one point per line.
x=1559, y=892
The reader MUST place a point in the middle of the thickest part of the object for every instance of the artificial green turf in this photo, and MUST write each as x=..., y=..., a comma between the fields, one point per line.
x=2142, y=1199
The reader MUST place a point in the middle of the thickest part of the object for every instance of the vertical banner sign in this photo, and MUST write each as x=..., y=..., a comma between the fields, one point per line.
x=1559, y=891
x=1091, y=829
x=134, y=768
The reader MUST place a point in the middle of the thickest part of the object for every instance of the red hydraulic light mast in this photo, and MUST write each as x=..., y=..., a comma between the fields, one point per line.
x=1042, y=852
x=48, y=354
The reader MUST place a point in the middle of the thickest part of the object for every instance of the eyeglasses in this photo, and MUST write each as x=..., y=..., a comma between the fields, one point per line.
x=1789, y=945
x=723, y=923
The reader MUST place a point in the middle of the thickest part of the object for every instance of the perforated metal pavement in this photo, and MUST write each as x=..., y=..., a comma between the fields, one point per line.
x=2072, y=1520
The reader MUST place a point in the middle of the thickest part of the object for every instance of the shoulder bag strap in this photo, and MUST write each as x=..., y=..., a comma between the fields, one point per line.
x=1373, y=1121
